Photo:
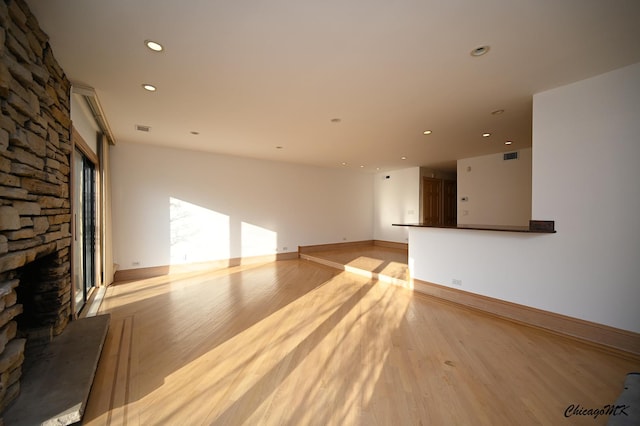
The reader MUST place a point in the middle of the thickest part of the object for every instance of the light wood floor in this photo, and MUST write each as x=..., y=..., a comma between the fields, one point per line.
x=293, y=342
x=390, y=264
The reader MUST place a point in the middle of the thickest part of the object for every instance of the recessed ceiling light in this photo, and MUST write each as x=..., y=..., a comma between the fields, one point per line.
x=361, y=166
x=149, y=87
x=479, y=51
x=193, y=132
x=486, y=135
x=152, y=45
x=278, y=147
x=343, y=163
x=497, y=112
x=403, y=158
x=426, y=132
x=508, y=142
x=336, y=120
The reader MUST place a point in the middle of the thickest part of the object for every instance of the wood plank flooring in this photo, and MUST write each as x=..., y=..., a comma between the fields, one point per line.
x=293, y=342
x=384, y=263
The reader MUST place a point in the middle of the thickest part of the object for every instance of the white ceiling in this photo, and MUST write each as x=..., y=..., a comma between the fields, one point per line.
x=250, y=75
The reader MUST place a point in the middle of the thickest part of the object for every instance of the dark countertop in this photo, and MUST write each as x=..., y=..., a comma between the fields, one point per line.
x=525, y=229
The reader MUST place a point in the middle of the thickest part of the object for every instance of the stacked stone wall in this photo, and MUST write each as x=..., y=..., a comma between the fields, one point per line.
x=35, y=207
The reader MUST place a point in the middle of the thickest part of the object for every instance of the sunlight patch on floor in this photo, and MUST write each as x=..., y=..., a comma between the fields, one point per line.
x=294, y=353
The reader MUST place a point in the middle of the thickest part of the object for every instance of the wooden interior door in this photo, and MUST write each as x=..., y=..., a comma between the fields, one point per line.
x=449, y=201
x=431, y=201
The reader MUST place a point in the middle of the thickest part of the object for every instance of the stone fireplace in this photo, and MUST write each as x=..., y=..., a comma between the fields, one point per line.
x=44, y=293
x=35, y=207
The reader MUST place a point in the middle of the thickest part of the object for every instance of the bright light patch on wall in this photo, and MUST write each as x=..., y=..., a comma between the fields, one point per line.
x=257, y=241
x=197, y=233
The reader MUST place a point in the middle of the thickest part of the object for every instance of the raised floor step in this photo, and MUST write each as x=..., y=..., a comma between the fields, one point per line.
x=382, y=264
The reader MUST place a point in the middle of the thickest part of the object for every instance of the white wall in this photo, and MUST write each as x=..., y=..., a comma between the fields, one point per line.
x=498, y=191
x=397, y=200
x=585, y=177
x=239, y=200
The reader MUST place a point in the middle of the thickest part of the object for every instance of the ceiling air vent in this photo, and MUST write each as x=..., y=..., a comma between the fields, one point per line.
x=510, y=156
x=142, y=128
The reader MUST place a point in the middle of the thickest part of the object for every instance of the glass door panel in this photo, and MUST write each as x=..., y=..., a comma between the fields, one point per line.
x=84, y=194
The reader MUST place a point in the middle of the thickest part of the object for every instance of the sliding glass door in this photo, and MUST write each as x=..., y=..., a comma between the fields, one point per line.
x=84, y=194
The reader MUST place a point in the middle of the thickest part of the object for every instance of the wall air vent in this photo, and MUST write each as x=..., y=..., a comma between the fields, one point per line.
x=142, y=128
x=510, y=155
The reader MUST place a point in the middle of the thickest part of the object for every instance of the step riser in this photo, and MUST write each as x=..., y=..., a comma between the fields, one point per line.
x=357, y=271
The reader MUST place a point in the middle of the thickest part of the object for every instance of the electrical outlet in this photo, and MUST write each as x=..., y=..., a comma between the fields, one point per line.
x=135, y=263
x=285, y=248
x=456, y=282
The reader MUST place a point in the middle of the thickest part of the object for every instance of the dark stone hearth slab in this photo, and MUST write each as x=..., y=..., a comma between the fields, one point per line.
x=55, y=385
